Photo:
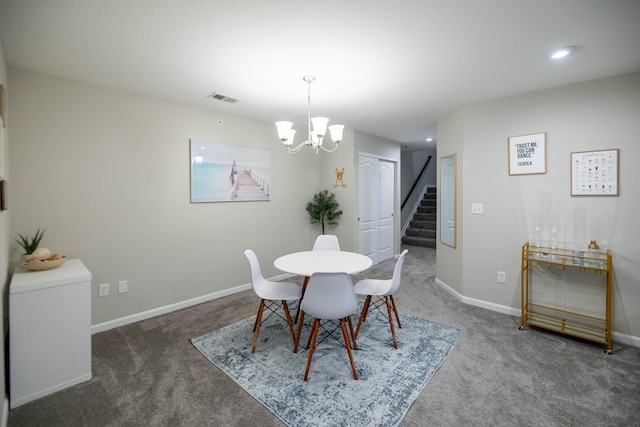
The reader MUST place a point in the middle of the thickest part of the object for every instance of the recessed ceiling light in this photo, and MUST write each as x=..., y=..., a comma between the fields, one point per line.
x=562, y=52
x=429, y=139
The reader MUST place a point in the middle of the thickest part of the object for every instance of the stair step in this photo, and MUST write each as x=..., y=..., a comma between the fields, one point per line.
x=421, y=232
x=424, y=217
x=426, y=210
x=422, y=229
x=423, y=223
x=419, y=241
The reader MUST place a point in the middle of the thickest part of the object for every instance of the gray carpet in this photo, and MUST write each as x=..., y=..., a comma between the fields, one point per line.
x=148, y=373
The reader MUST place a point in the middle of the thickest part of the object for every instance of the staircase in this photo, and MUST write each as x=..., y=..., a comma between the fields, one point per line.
x=422, y=229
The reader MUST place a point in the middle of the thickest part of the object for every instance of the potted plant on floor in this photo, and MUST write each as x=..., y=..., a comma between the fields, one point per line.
x=324, y=209
x=30, y=244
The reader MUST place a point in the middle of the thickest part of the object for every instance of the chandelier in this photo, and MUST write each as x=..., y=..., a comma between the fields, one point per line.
x=316, y=129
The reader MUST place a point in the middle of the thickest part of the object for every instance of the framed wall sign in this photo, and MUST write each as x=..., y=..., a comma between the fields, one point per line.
x=528, y=154
x=595, y=173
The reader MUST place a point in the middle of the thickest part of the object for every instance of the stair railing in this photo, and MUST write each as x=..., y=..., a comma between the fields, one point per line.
x=418, y=200
x=413, y=187
x=414, y=210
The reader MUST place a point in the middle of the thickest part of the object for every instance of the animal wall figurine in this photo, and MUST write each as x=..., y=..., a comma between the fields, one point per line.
x=339, y=181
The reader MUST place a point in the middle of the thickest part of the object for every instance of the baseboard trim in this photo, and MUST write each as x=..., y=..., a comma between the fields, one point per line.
x=122, y=321
x=617, y=336
x=19, y=401
x=478, y=303
x=626, y=339
x=5, y=411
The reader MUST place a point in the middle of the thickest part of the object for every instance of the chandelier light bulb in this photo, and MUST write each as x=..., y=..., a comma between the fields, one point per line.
x=336, y=133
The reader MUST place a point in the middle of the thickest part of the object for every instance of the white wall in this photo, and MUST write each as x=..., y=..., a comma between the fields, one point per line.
x=107, y=174
x=597, y=115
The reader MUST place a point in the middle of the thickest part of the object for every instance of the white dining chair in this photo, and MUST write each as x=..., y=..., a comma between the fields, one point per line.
x=330, y=296
x=272, y=295
x=324, y=242
x=383, y=290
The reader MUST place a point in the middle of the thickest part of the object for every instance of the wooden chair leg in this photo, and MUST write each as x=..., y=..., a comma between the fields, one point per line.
x=353, y=335
x=363, y=315
x=368, y=303
x=393, y=331
x=395, y=309
x=260, y=307
x=313, y=337
x=309, y=340
x=256, y=326
x=285, y=307
x=304, y=288
x=345, y=334
x=295, y=346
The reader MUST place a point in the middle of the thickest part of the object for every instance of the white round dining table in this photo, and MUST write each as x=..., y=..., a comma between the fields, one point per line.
x=308, y=262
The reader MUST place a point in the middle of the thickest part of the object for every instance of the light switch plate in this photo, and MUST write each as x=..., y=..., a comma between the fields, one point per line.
x=477, y=208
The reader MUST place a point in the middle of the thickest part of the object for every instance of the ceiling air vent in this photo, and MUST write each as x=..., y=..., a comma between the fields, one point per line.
x=221, y=97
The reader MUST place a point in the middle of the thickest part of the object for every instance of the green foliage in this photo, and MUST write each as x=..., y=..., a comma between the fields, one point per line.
x=324, y=209
x=30, y=244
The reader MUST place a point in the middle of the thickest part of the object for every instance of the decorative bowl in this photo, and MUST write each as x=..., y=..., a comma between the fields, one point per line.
x=43, y=264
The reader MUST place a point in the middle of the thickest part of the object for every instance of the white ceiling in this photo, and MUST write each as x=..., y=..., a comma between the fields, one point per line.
x=390, y=68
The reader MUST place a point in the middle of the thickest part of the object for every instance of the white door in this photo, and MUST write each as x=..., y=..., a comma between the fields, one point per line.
x=386, y=170
x=367, y=205
x=376, y=207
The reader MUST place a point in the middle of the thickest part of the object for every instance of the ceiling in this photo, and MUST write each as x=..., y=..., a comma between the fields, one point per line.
x=389, y=68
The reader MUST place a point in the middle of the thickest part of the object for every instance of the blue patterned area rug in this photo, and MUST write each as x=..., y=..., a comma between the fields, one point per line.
x=390, y=380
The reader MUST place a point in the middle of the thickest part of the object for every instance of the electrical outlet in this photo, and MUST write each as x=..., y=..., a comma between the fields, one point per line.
x=477, y=208
x=123, y=286
x=502, y=277
x=103, y=289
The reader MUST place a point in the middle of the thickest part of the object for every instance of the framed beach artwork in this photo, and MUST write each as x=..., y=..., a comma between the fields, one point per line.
x=229, y=173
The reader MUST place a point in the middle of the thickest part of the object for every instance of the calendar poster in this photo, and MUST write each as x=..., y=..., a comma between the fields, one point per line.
x=594, y=173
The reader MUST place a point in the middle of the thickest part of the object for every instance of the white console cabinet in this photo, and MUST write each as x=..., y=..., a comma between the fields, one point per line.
x=49, y=330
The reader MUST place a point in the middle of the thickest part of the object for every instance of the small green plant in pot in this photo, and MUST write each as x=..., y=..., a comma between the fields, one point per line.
x=30, y=244
x=324, y=209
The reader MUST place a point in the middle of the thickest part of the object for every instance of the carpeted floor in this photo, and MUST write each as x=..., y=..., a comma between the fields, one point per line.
x=148, y=373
